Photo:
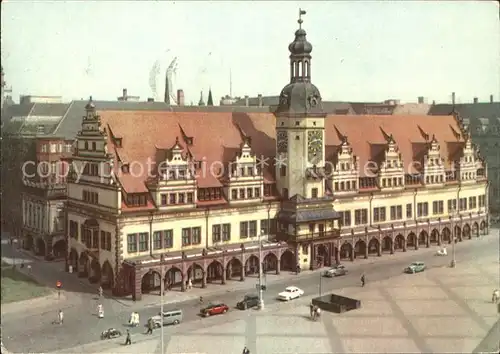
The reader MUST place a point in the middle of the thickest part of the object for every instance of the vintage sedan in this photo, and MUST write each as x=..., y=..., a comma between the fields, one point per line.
x=335, y=271
x=214, y=309
x=110, y=333
x=415, y=267
x=290, y=293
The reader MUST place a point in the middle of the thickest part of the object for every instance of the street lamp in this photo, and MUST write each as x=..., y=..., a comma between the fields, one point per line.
x=162, y=289
x=453, y=236
x=320, y=284
x=261, y=263
x=150, y=219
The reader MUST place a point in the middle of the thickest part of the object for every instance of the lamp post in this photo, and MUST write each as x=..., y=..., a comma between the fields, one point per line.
x=150, y=219
x=453, y=236
x=162, y=289
x=320, y=284
x=261, y=263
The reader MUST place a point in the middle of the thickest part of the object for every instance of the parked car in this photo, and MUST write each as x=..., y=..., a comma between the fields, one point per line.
x=248, y=301
x=415, y=267
x=335, y=271
x=110, y=333
x=214, y=309
x=169, y=317
x=290, y=293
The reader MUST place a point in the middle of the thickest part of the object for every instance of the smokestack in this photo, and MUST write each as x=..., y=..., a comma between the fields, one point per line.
x=453, y=98
x=247, y=101
x=476, y=100
x=180, y=97
x=259, y=97
x=491, y=98
x=421, y=99
x=433, y=102
x=166, y=98
x=124, y=94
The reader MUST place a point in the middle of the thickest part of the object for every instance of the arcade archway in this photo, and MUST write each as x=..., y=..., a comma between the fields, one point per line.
x=287, y=261
x=95, y=271
x=252, y=265
x=387, y=244
x=195, y=273
x=458, y=233
x=73, y=260
x=467, y=231
x=107, y=278
x=59, y=249
x=399, y=243
x=214, y=271
x=151, y=281
x=446, y=234
x=270, y=263
x=173, y=278
x=434, y=238
x=29, y=243
x=234, y=269
x=40, y=247
x=422, y=238
x=359, y=249
x=322, y=256
x=475, y=229
x=411, y=240
x=346, y=252
x=373, y=246
x=83, y=265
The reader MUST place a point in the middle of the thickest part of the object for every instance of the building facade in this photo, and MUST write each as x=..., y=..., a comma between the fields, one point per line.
x=44, y=196
x=187, y=196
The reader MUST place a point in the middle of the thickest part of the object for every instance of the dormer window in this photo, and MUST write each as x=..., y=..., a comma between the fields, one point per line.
x=126, y=168
x=118, y=142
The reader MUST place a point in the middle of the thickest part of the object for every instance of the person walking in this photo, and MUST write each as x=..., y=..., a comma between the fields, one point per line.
x=363, y=280
x=100, y=291
x=61, y=317
x=150, y=326
x=246, y=351
x=128, y=340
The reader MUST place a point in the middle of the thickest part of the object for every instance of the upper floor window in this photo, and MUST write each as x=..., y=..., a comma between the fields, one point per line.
x=422, y=209
x=205, y=194
x=360, y=216
x=136, y=199
x=379, y=214
x=90, y=197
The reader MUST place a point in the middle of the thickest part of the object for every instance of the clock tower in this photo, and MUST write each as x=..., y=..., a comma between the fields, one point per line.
x=300, y=144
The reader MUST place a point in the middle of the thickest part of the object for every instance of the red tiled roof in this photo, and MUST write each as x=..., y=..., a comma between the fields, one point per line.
x=218, y=135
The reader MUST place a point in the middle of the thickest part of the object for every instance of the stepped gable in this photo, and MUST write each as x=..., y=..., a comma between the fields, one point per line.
x=217, y=135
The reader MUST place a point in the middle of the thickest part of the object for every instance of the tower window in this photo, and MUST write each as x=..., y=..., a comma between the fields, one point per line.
x=314, y=123
x=297, y=137
x=297, y=123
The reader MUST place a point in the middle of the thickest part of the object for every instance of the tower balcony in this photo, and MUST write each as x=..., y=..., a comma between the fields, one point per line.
x=316, y=173
x=283, y=235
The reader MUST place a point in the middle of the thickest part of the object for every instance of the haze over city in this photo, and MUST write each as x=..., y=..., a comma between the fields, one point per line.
x=363, y=51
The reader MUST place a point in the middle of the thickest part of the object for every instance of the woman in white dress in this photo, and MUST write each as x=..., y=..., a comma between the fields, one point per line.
x=100, y=311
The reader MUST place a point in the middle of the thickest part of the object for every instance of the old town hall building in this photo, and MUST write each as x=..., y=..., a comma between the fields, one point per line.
x=190, y=194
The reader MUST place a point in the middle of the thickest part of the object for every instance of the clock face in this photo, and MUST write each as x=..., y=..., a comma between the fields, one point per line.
x=282, y=141
x=315, y=146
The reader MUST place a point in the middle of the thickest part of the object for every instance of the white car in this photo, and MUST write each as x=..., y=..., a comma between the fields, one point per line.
x=290, y=293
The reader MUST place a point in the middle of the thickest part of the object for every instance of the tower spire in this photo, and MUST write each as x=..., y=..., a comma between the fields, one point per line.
x=201, y=102
x=300, y=21
x=210, y=100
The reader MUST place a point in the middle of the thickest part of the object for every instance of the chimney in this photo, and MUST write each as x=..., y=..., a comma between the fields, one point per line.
x=124, y=94
x=247, y=101
x=151, y=99
x=433, y=102
x=420, y=99
x=166, y=98
x=453, y=98
x=476, y=100
x=180, y=97
x=491, y=98
x=259, y=97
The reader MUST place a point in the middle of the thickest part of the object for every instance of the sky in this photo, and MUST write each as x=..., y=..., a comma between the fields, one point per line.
x=362, y=51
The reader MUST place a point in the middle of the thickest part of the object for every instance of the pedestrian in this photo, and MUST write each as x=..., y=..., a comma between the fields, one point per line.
x=128, y=341
x=100, y=291
x=246, y=351
x=190, y=283
x=362, y=280
x=61, y=317
x=311, y=310
x=150, y=326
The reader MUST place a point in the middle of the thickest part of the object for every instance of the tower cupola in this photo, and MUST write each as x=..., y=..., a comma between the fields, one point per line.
x=300, y=98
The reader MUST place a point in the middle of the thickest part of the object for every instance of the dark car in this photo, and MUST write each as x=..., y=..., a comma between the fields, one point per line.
x=214, y=309
x=111, y=333
x=248, y=301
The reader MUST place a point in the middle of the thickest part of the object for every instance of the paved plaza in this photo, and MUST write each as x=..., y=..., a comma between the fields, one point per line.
x=440, y=310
